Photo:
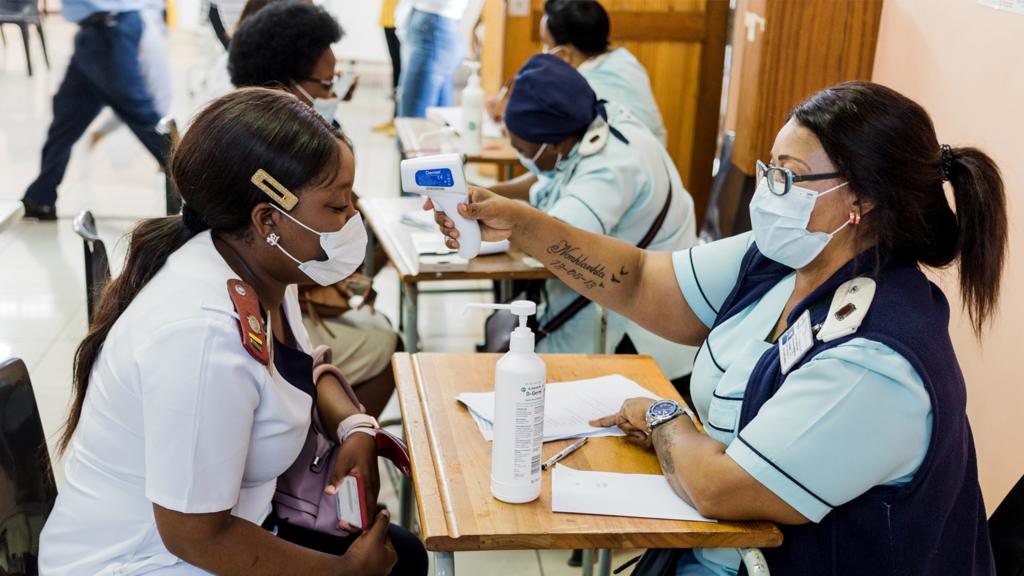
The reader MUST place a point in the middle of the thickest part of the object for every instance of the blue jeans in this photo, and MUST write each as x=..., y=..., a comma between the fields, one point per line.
x=104, y=71
x=435, y=51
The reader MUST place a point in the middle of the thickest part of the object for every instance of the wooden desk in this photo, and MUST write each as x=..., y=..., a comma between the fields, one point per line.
x=412, y=144
x=451, y=467
x=383, y=217
x=10, y=212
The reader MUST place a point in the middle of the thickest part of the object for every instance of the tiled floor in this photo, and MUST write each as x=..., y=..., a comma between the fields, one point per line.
x=42, y=295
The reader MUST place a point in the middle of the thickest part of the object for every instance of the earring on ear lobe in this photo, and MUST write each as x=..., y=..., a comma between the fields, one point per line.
x=854, y=217
x=272, y=239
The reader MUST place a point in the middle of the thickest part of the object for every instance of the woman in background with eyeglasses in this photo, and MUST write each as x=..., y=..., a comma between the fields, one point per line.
x=826, y=381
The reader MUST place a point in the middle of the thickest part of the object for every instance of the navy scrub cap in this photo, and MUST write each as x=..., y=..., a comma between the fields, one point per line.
x=550, y=101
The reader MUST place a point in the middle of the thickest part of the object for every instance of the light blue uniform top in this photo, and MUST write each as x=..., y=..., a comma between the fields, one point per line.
x=618, y=192
x=617, y=76
x=78, y=10
x=854, y=417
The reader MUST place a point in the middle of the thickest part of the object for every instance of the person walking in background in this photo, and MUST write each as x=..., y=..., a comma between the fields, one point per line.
x=104, y=71
x=155, y=65
x=434, y=53
x=387, y=22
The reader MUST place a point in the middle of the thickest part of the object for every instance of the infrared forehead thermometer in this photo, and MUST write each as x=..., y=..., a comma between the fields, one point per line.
x=440, y=178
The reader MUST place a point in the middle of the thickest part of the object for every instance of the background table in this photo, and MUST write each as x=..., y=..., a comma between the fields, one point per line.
x=414, y=139
x=451, y=467
x=383, y=218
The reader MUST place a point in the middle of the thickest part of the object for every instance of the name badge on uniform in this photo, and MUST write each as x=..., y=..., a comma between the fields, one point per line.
x=795, y=342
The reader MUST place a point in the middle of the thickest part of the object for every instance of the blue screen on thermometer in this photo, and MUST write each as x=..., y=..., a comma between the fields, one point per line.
x=436, y=178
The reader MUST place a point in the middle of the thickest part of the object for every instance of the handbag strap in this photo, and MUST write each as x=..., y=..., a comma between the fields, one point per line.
x=581, y=302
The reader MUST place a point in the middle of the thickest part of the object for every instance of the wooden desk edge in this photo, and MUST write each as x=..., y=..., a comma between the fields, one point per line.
x=762, y=535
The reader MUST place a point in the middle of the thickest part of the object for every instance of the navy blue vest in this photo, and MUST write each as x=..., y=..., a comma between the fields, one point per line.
x=936, y=524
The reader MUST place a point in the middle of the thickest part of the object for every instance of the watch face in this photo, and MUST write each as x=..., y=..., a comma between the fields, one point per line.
x=663, y=408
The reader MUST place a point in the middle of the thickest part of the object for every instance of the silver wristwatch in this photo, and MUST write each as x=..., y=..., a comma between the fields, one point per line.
x=663, y=411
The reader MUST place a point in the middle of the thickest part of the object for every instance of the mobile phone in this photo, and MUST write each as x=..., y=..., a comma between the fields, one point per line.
x=352, y=501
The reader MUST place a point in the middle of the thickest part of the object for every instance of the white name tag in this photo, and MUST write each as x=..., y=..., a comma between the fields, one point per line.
x=795, y=342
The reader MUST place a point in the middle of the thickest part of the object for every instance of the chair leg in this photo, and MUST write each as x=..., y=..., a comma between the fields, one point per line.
x=28, y=49
x=42, y=42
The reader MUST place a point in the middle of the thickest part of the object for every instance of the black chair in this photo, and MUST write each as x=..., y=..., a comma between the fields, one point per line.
x=1006, y=529
x=97, y=266
x=719, y=211
x=27, y=489
x=169, y=129
x=23, y=14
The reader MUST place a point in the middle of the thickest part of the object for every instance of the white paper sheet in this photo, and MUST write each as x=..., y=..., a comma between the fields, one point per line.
x=568, y=406
x=615, y=494
x=452, y=116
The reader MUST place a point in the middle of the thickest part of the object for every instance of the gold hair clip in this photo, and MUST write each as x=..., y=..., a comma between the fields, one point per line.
x=277, y=192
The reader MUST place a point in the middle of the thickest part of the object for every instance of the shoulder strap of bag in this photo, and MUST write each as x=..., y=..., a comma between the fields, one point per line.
x=581, y=302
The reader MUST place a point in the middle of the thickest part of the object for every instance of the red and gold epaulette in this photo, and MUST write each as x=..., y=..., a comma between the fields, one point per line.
x=250, y=322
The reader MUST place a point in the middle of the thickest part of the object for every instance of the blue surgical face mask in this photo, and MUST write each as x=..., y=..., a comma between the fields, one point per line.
x=780, y=224
x=531, y=163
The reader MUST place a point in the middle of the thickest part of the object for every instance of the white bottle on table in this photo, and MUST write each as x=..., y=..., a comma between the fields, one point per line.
x=472, y=111
x=519, y=382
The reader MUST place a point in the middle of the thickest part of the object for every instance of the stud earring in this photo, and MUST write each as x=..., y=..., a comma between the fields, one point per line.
x=272, y=239
x=854, y=217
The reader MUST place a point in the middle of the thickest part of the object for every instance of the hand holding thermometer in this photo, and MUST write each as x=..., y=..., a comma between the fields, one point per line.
x=440, y=177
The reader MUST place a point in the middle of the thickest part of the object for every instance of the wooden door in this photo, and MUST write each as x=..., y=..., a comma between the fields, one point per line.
x=680, y=42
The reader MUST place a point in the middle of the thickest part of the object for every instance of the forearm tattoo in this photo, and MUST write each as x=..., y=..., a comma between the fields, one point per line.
x=574, y=263
x=664, y=442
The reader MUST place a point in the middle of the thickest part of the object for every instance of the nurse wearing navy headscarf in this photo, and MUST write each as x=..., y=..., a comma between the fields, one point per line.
x=826, y=380
x=597, y=169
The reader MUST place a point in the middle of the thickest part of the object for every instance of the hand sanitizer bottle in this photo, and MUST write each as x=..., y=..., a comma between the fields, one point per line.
x=519, y=381
x=472, y=111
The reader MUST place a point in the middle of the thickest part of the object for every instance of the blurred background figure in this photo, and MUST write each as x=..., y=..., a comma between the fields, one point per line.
x=434, y=53
x=387, y=22
x=155, y=65
x=105, y=70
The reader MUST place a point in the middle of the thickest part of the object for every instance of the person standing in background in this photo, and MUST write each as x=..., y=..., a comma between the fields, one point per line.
x=387, y=22
x=434, y=53
x=104, y=71
x=155, y=64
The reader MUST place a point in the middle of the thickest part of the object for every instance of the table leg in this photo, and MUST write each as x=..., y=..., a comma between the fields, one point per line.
x=505, y=290
x=601, y=334
x=411, y=316
x=510, y=171
x=604, y=562
x=588, y=563
x=371, y=247
x=754, y=560
x=444, y=564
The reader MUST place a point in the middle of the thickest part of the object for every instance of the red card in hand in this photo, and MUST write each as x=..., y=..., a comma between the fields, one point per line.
x=391, y=447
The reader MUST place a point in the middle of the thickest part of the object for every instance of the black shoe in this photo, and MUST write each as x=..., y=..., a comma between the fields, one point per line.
x=41, y=212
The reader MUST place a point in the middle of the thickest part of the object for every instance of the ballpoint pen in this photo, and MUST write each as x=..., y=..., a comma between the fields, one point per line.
x=568, y=450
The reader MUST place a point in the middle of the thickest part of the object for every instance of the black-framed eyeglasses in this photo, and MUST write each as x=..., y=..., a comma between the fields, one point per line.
x=780, y=180
x=327, y=84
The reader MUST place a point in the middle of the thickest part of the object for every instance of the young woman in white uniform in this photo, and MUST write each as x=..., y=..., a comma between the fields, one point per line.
x=827, y=380
x=181, y=422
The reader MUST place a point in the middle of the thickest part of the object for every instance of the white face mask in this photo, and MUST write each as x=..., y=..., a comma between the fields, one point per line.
x=345, y=249
x=780, y=224
x=325, y=107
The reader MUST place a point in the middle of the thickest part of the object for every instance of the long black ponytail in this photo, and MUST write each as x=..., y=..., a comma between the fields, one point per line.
x=885, y=145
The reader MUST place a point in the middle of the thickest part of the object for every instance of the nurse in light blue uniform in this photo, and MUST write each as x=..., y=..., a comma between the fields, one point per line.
x=605, y=173
x=826, y=380
x=855, y=416
x=577, y=31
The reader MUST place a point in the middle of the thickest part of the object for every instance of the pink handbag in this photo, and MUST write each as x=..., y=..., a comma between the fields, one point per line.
x=300, y=499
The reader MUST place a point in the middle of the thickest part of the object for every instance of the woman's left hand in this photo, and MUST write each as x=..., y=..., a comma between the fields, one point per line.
x=631, y=419
x=357, y=454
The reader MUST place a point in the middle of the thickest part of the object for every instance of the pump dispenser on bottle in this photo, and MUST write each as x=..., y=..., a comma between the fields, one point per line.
x=519, y=381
